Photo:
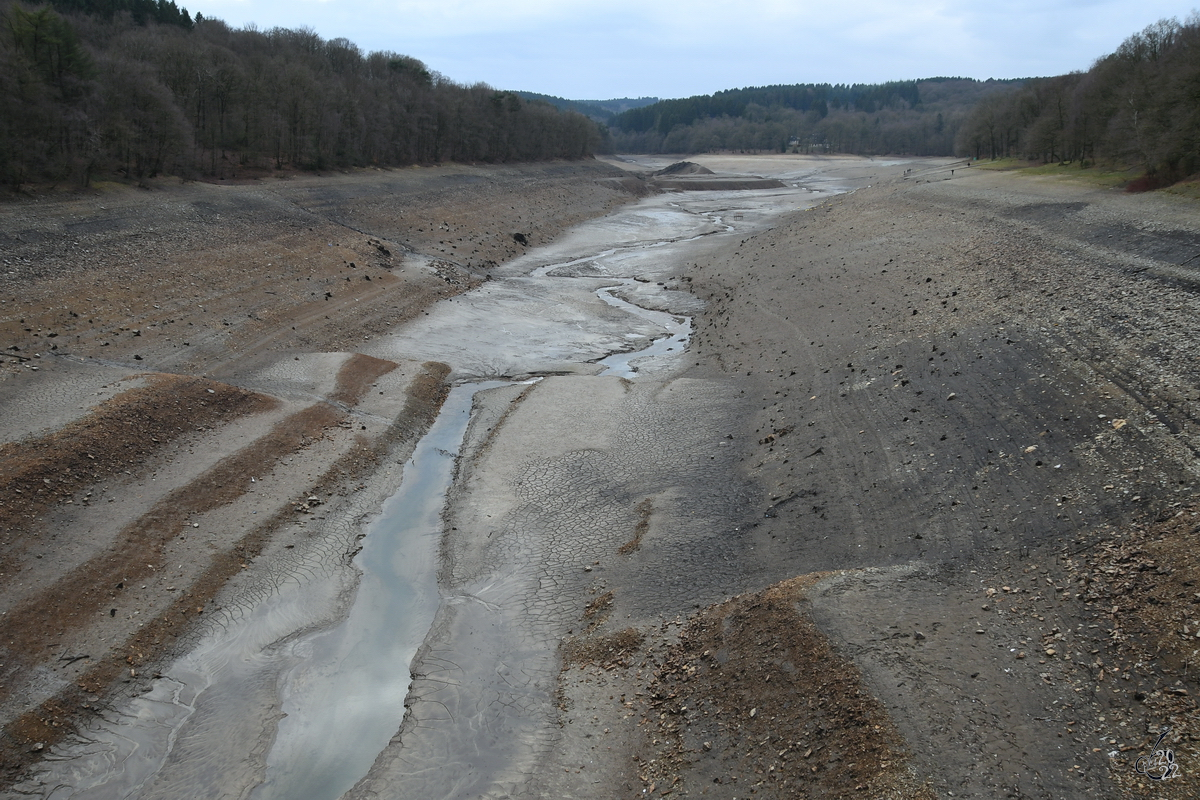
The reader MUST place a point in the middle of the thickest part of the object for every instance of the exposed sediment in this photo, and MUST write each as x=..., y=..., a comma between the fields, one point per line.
x=142, y=497
x=967, y=401
x=914, y=515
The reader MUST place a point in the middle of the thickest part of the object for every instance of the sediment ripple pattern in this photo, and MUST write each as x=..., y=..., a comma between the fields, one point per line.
x=217, y=706
x=482, y=708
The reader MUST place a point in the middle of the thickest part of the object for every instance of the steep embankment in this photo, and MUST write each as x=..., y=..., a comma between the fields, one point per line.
x=969, y=406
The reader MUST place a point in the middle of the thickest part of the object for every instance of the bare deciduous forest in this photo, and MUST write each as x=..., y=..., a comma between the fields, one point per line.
x=137, y=89
x=1138, y=107
x=912, y=117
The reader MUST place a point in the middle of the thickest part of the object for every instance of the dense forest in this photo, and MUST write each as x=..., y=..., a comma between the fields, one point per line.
x=914, y=117
x=599, y=110
x=1138, y=107
x=138, y=88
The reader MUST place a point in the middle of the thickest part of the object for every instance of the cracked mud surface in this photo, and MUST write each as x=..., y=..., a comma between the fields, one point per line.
x=915, y=515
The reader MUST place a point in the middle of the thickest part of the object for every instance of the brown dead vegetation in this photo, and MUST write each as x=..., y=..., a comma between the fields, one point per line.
x=356, y=375
x=644, y=510
x=1141, y=590
x=607, y=652
x=752, y=696
x=34, y=627
x=116, y=436
x=33, y=630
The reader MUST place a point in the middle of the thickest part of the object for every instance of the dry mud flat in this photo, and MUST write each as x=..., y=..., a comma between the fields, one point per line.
x=914, y=515
x=974, y=400
x=952, y=553
x=916, y=518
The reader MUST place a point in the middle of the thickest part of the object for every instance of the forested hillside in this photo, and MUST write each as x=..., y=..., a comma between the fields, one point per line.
x=1139, y=106
x=915, y=117
x=598, y=110
x=138, y=88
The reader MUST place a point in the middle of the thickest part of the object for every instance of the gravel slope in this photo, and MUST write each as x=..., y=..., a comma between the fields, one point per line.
x=957, y=387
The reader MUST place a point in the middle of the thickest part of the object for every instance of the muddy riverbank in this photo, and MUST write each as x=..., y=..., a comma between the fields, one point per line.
x=186, y=421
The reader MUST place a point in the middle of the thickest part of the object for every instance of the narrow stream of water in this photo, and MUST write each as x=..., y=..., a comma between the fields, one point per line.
x=344, y=699
x=676, y=332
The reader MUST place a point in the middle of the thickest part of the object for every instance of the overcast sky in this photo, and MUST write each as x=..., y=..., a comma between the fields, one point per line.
x=601, y=49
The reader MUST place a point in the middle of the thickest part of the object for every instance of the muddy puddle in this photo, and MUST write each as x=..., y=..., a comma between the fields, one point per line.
x=299, y=685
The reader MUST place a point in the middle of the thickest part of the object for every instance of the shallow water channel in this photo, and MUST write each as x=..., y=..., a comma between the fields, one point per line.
x=343, y=699
x=327, y=695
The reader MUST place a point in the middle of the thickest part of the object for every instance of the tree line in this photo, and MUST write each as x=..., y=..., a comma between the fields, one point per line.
x=1137, y=107
x=666, y=115
x=914, y=117
x=601, y=111
x=101, y=88
x=140, y=87
x=164, y=12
